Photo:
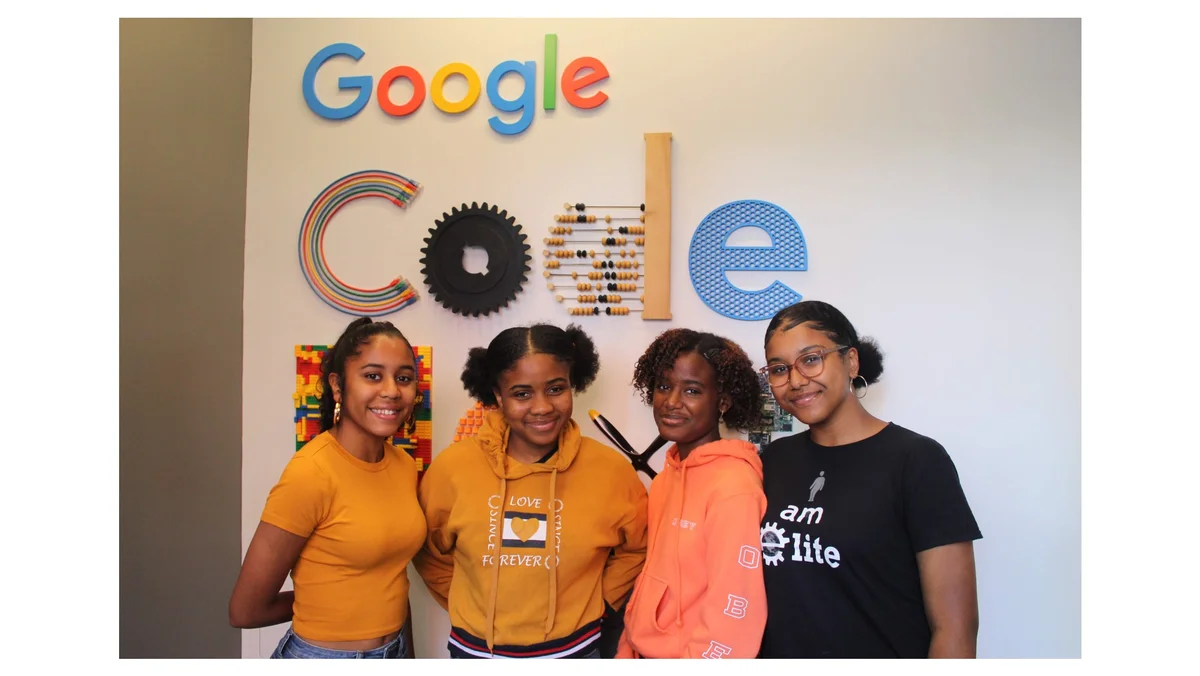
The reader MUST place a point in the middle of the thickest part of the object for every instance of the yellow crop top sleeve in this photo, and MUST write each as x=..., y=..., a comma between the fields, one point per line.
x=302, y=498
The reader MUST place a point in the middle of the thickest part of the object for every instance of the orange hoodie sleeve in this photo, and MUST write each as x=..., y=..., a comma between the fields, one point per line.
x=435, y=560
x=734, y=611
x=627, y=558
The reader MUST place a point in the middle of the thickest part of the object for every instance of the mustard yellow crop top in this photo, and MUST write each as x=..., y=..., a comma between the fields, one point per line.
x=363, y=525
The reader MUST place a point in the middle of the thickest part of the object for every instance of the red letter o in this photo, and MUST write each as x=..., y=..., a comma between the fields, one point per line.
x=385, y=85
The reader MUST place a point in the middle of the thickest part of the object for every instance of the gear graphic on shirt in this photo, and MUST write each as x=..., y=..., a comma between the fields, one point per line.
x=774, y=539
x=490, y=229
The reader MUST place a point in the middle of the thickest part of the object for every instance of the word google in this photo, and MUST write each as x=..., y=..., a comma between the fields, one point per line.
x=572, y=81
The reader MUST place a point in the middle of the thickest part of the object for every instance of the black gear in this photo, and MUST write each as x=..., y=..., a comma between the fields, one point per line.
x=508, y=259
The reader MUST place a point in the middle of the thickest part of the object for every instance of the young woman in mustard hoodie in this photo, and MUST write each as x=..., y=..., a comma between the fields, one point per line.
x=701, y=592
x=535, y=531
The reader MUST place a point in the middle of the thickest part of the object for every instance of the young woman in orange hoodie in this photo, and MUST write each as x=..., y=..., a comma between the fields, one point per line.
x=535, y=531
x=700, y=594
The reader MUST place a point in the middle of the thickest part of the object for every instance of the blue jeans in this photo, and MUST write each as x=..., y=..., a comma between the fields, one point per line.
x=292, y=647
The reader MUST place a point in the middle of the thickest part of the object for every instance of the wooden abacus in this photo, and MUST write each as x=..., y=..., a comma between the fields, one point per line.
x=596, y=286
x=624, y=265
x=594, y=274
x=652, y=237
x=616, y=310
x=606, y=241
x=622, y=230
x=568, y=218
x=603, y=298
x=581, y=253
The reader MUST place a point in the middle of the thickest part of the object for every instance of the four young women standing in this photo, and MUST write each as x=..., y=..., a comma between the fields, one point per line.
x=852, y=538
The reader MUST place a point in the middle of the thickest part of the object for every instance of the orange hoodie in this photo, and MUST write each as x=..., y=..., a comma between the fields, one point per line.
x=701, y=591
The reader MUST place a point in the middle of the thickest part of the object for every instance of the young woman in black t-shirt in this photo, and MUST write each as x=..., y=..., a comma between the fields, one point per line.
x=868, y=537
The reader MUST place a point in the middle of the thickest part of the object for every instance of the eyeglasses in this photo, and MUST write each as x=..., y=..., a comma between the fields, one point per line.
x=810, y=365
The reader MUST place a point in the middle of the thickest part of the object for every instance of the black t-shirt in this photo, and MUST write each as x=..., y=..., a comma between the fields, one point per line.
x=840, y=537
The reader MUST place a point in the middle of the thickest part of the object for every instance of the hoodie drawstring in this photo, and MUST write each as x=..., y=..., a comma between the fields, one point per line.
x=553, y=567
x=491, y=611
x=553, y=554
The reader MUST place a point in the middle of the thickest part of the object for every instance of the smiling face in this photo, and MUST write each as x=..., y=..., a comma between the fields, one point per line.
x=536, y=400
x=811, y=400
x=379, y=387
x=687, y=403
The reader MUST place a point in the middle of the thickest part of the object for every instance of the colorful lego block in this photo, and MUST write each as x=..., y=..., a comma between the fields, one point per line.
x=468, y=425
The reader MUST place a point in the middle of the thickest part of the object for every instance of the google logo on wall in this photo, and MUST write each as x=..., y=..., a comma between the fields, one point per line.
x=580, y=73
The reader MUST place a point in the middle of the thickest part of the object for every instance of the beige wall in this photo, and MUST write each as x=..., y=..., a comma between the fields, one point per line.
x=185, y=87
x=933, y=165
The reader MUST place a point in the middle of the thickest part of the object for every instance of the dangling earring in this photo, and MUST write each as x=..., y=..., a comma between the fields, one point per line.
x=410, y=425
x=866, y=385
x=337, y=412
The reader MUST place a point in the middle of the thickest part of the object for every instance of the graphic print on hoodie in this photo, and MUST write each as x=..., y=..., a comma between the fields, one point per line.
x=524, y=557
x=701, y=592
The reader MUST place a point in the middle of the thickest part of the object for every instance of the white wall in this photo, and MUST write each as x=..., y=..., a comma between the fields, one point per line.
x=933, y=166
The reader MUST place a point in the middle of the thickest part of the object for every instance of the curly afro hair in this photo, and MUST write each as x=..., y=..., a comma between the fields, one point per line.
x=481, y=372
x=736, y=377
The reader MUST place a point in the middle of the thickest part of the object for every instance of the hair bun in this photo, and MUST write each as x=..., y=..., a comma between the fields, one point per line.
x=870, y=360
x=477, y=378
x=585, y=360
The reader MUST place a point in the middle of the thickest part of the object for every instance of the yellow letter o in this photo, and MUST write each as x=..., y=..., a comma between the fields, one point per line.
x=439, y=80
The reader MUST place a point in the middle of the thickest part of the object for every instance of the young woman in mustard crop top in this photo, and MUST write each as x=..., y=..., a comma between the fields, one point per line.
x=344, y=518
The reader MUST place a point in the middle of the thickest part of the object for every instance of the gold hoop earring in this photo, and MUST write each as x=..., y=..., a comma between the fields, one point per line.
x=866, y=386
x=337, y=412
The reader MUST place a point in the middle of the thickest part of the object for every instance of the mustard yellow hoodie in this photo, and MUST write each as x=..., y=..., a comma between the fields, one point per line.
x=524, y=557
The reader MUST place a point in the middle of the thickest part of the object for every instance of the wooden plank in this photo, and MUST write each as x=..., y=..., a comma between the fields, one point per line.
x=657, y=254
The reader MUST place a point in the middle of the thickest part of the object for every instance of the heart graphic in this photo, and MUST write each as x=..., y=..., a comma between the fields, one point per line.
x=524, y=528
